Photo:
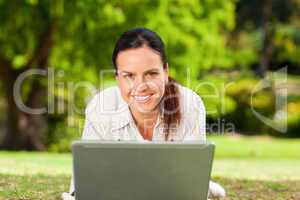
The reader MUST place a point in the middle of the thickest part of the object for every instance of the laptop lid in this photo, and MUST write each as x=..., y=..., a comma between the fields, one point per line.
x=141, y=171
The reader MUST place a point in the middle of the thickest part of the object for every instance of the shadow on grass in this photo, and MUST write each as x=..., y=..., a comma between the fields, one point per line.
x=27, y=187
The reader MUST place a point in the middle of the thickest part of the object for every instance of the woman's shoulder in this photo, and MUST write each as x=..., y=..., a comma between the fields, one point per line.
x=190, y=100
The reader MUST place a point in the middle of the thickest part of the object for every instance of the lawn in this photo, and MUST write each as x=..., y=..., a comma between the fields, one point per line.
x=248, y=168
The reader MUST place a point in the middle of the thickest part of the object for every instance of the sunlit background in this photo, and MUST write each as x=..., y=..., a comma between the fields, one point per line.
x=240, y=56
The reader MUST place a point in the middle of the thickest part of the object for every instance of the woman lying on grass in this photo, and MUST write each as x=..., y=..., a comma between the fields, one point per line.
x=147, y=104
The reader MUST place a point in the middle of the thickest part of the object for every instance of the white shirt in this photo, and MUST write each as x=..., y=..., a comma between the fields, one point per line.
x=108, y=118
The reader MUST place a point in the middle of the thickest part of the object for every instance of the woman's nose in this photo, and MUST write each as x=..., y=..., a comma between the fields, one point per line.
x=140, y=85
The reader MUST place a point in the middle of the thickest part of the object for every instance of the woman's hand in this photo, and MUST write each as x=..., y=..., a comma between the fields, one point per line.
x=67, y=196
x=216, y=191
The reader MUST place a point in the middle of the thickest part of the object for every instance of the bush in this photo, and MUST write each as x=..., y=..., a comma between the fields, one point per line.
x=230, y=98
x=262, y=102
x=292, y=123
x=63, y=135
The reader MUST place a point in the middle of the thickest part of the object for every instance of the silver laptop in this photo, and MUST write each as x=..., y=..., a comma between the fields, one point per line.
x=122, y=170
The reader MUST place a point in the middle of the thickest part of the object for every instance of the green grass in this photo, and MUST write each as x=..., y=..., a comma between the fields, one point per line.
x=248, y=168
x=38, y=186
x=257, y=158
x=235, y=146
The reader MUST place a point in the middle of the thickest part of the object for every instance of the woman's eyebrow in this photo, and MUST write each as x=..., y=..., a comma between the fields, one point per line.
x=126, y=72
x=151, y=70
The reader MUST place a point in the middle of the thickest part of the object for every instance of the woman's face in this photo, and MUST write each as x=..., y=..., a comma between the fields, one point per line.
x=141, y=78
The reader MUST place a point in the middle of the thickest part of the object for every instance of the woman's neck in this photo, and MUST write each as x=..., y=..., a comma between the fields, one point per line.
x=145, y=120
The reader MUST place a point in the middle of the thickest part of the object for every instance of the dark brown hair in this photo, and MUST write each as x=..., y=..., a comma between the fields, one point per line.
x=139, y=37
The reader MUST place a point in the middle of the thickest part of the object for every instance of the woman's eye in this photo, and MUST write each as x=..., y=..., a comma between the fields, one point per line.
x=153, y=73
x=128, y=76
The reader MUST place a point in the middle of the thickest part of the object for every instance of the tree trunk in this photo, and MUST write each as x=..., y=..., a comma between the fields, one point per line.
x=23, y=131
x=35, y=126
x=267, y=32
x=13, y=140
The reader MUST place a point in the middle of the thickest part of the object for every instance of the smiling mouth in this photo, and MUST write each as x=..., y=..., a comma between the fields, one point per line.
x=142, y=99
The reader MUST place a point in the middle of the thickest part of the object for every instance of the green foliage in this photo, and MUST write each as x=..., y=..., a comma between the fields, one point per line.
x=194, y=29
x=62, y=137
x=211, y=88
x=243, y=49
x=292, y=122
x=281, y=27
x=287, y=41
x=262, y=102
x=85, y=33
x=200, y=36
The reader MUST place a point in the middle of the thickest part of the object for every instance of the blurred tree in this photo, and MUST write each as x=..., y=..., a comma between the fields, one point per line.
x=78, y=37
x=269, y=29
x=18, y=31
x=195, y=33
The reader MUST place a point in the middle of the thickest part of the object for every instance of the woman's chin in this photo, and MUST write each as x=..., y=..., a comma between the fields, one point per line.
x=144, y=108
